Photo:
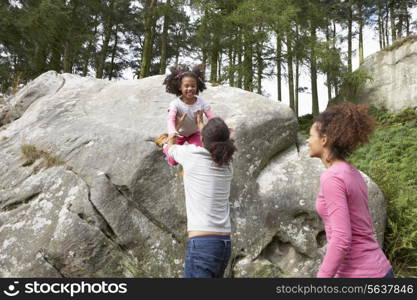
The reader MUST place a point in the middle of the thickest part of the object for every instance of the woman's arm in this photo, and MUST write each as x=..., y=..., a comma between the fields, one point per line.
x=334, y=193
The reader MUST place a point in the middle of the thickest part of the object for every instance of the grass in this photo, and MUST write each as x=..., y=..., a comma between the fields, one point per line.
x=398, y=43
x=390, y=159
x=32, y=154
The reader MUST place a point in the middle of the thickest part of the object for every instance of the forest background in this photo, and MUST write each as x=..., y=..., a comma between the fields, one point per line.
x=284, y=49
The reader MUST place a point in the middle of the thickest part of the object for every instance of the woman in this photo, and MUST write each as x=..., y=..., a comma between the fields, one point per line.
x=342, y=202
x=207, y=178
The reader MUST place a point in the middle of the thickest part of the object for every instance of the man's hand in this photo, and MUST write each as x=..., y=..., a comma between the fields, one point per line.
x=179, y=121
x=172, y=139
x=200, y=120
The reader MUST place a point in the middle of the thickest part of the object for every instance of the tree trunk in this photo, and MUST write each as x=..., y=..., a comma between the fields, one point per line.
x=297, y=86
x=335, y=83
x=329, y=83
x=67, y=57
x=279, y=62
x=214, y=57
x=247, y=63
x=89, y=51
x=113, y=55
x=204, y=54
x=380, y=29
x=41, y=60
x=219, y=63
x=313, y=66
x=392, y=20
x=106, y=41
x=290, y=71
x=386, y=26
x=68, y=51
x=402, y=18
x=240, y=62
x=260, y=66
x=297, y=75
x=231, y=75
x=150, y=20
x=350, y=21
x=55, y=63
x=297, y=83
x=361, y=57
x=164, y=39
x=407, y=21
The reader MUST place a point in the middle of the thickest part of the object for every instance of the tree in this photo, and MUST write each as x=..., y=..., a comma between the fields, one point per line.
x=164, y=38
x=108, y=22
x=151, y=16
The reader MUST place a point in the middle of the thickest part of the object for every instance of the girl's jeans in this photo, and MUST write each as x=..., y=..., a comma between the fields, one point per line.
x=194, y=139
x=207, y=256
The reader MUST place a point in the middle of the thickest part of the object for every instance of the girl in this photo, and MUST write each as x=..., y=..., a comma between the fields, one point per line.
x=182, y=112
x=207, y=178
x=342, y=202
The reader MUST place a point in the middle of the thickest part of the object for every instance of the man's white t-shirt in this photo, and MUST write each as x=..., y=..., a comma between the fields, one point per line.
x=207, y=189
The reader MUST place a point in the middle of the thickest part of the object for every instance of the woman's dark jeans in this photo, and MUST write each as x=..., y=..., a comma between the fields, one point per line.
x=390, y=274
x=207, y=256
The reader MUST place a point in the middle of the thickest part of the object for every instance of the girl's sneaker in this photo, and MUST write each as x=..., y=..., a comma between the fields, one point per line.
x=161, y=140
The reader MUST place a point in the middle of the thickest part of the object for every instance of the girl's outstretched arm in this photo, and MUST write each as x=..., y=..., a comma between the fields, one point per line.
x=209, y=114
x=171, y=122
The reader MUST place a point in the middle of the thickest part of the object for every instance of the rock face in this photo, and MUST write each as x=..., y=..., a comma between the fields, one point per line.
x=394, y=74
x=113, y=207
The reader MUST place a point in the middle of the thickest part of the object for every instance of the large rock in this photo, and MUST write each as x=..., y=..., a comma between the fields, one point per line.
x=45, y=85
x=109, y=205
x=394, y=78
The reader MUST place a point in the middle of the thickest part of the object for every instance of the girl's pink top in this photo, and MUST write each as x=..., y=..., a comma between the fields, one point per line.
x=352, y=248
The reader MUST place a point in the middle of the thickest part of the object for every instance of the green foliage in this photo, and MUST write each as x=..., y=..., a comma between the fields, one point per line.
x=390, y=160
x=304, y=124
x=352, y=82
x=386, y=119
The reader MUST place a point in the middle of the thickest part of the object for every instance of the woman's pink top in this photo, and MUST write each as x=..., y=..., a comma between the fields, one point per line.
x=352, y=248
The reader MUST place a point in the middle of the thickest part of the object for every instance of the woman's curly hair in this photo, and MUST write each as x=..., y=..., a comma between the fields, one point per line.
x=347, y=126
x=178, y=72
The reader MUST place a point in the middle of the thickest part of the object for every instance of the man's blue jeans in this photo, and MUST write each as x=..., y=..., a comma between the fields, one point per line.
x=207, y=256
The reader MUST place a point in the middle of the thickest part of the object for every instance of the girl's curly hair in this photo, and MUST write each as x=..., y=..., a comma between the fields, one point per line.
x=178, y=72
x=347, y=126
